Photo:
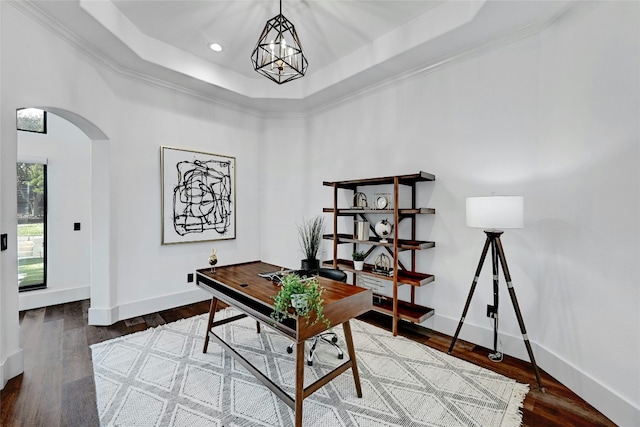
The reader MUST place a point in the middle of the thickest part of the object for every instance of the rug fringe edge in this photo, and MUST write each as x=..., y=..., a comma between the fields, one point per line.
x=513, y=414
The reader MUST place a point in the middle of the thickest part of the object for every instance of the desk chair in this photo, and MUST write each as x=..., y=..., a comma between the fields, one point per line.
x=328, y=336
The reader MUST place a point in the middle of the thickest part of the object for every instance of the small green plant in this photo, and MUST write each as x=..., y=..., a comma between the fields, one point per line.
x=293, y=284
x=358, y=256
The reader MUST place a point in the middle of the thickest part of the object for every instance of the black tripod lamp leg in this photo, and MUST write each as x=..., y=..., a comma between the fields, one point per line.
x=471, y=291
x=494, y=270
x=516, y=307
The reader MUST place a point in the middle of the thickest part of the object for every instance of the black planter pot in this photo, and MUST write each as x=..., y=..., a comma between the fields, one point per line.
x=309, y=264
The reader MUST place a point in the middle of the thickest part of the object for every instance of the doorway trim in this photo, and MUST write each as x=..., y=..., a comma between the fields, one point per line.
x=103, y=293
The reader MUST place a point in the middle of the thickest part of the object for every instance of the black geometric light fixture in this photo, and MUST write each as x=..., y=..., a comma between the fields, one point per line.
x=278, y=54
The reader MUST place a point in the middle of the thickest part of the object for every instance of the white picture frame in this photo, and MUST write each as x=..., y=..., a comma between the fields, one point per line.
x=198, y=196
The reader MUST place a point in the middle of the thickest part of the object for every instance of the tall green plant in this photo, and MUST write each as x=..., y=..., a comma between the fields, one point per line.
x=310, y=236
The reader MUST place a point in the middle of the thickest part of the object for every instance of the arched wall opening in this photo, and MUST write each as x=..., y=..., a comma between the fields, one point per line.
x=102, y=295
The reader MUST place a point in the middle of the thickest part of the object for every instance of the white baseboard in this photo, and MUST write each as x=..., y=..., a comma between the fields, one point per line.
x=12, y=366
x=615, y=407
x=46, y=297
x=109, y=316
x=164, y=302
x=102, y=316
x=608, y=402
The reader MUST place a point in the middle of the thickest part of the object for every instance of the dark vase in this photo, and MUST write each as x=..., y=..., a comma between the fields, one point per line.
x=309, y=264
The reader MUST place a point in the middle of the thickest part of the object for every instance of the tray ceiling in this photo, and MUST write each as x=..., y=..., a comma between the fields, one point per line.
x=350, y=45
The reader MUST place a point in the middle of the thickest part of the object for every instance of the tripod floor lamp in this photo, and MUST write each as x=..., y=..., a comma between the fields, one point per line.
x=492, y=214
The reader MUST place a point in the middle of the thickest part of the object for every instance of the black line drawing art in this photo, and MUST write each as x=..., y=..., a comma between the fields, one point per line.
x=198, y=196
x=202, y=198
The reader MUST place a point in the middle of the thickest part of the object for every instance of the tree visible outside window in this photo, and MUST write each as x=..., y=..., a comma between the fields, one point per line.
x=32, y=190
x=32, y=120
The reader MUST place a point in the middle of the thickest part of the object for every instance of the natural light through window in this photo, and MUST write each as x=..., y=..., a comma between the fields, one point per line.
x=32, y=120
x=32, y=216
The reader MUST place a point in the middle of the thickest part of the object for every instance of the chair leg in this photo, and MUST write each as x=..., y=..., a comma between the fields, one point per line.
x=311, y=350
x=328, y=337
x=335, y=344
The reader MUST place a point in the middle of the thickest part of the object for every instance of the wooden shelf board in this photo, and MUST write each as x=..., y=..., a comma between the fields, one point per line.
x=402, y=179
x=402, y=212
x=403, y=244
x=412, y=312
x=405, y=277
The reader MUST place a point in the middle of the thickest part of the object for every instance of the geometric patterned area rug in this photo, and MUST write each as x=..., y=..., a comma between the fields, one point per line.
x=160, y=377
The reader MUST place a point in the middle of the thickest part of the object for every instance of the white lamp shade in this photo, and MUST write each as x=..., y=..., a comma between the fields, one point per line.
x=495, y=212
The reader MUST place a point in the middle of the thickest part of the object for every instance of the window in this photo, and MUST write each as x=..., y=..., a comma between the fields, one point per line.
x=32, y=225
x=32, y=120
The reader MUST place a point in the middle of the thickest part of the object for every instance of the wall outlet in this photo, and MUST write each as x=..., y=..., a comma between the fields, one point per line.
x=189, y=277
x=491, y=311
x=76, y=226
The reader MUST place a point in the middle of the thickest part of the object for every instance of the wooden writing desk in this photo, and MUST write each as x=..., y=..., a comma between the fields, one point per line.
x=240, y=287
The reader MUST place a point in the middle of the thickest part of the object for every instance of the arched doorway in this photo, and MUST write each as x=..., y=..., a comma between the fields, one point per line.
x=101, y=292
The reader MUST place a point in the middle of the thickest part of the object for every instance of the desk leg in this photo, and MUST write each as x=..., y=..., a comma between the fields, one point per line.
x=352, y=355
x=299, y=382
x=212, y=312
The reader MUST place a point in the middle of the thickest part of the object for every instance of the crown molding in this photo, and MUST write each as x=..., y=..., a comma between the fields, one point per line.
x=289, y=108
x=462, y=54
x=63, y=33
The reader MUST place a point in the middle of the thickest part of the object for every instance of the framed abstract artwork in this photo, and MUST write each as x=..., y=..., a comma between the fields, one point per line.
x=198, y=196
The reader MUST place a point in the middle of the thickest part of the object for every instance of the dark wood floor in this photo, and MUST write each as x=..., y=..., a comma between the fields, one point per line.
x=57, y=388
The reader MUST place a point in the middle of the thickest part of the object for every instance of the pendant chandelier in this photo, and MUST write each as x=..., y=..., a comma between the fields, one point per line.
x=278, y=54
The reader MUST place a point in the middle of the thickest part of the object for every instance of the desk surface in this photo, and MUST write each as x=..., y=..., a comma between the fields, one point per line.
x=241, y=281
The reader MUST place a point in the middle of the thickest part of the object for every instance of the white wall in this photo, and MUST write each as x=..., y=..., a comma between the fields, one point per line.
x=137, y=118
x=553, y=117
x=148, y=119
x=588, y=242
x=67, y=152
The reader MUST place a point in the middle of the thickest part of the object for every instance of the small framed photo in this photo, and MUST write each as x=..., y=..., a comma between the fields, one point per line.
x=382, y=201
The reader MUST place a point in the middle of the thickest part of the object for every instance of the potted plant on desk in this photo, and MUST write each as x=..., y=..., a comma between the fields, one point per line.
x=299, y=297
x=310, y=236
x=358, y=260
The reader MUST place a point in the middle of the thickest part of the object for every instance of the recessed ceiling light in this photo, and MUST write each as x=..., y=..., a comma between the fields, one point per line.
x=215, y=47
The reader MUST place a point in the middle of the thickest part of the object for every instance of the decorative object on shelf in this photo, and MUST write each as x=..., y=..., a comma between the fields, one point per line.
x=278, y=54
x=362, y=230
x=213, y=260
x=359, y=201
x=198, y=196
x=293, y=287
x=358, y=260
x=399, y=205
x=310, y=238
x=382, y=201
x=382, y=265
x=492, y=214
x=384, y=229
